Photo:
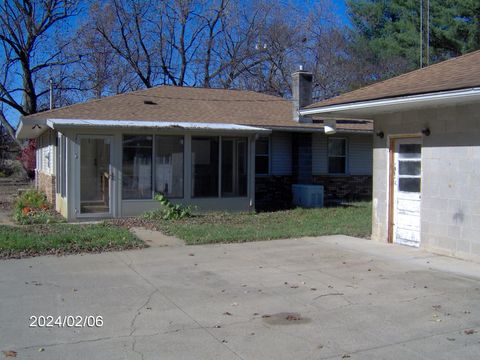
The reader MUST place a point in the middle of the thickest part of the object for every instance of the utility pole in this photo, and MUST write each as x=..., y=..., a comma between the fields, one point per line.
x=51, y=93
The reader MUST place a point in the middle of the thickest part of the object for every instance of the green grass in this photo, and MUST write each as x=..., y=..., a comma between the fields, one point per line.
x=32, y=240
x=354, y=220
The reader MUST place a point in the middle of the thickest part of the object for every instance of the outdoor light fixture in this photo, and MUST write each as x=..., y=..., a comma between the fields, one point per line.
x=380, y=134
x=426, y=131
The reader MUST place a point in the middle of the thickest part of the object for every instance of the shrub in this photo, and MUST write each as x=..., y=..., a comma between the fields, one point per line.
x=27, y=157
x=31, y=207
x=168, y=211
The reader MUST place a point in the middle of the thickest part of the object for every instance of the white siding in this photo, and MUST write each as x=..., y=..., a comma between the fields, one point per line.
x=359, y=150
x=46, y=152
x=281, y=153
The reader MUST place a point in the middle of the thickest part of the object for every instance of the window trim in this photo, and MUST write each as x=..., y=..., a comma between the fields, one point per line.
x=268, y=156
x=346, y=172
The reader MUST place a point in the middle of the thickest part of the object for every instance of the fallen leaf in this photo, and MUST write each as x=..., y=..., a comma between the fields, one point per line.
x=345, y=356
x=450, y=339
x=227, y=313
x=313, y=289
x=191, y=254
x=9, y=353
x=470, y=331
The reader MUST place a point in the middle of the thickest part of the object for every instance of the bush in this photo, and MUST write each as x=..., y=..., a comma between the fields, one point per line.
x=31, y=207
x=168, y=211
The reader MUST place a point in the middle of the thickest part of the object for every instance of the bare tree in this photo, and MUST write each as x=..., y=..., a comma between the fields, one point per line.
x=126, y=26
x=27, y=52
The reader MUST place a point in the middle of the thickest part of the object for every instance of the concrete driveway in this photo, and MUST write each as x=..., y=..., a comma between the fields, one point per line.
x=323, y=298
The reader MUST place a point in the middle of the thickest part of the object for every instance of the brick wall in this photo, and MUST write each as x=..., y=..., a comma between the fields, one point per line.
x=273, y=193
x=345, y=188
x=46, y=183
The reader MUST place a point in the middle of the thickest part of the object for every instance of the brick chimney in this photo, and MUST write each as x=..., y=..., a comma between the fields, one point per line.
x=301, y=92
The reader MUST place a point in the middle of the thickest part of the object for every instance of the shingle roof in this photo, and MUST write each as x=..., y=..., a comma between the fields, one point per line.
x=457, y=73
x=188, y=104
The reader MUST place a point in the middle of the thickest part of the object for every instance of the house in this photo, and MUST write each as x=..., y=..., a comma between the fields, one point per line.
x=214, y=149
x=426, y=157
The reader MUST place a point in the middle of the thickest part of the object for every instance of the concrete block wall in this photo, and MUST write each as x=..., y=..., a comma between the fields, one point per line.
x=450, y=207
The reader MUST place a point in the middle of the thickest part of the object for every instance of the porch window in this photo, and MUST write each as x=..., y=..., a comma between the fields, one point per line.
x=169, y=165
x=234, y=166
x=337, y=155
x=205, y=166
x=262, y=156
x=137, y=167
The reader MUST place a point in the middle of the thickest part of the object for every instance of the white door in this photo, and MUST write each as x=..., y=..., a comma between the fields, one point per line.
x=407, y=191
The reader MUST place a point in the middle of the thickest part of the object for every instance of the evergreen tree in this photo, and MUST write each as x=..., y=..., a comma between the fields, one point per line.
x=389, y=31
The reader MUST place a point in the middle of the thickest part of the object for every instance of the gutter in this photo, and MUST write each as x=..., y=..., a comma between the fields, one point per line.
x=62, y=123
x=413, y=99
x=315, y=129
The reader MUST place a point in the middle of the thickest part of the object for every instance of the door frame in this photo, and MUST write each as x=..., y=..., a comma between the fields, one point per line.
x=391, y=180
x=111, y=183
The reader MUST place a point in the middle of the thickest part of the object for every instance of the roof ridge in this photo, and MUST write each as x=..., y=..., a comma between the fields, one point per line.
x=139, y=91
x=401, y=75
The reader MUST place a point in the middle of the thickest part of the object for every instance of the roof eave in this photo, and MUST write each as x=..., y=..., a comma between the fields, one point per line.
x=30, y=128
x=372, y=107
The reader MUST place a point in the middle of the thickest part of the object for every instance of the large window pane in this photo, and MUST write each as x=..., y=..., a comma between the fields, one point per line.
x=169, y=165
x=205, y=166
x=234, y=167
x=137, y=167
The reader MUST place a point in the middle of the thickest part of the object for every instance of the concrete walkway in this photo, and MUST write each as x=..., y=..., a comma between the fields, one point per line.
x=156, y=238
x=324, y=298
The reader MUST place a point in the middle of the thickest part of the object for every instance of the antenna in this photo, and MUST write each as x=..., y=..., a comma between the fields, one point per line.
x=424, y=34
x=421, y=34
x=428, y=33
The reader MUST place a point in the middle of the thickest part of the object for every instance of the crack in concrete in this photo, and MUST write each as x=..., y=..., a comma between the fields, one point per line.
x=220, y=341
x=138, y=312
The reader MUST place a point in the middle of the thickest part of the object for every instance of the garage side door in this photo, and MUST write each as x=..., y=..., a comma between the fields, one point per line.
x=407, y=191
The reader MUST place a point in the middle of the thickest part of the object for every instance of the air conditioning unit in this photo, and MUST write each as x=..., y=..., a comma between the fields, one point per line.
x=307, y=196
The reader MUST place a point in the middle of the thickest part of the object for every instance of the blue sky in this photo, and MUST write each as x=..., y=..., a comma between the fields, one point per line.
x=339, y=7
